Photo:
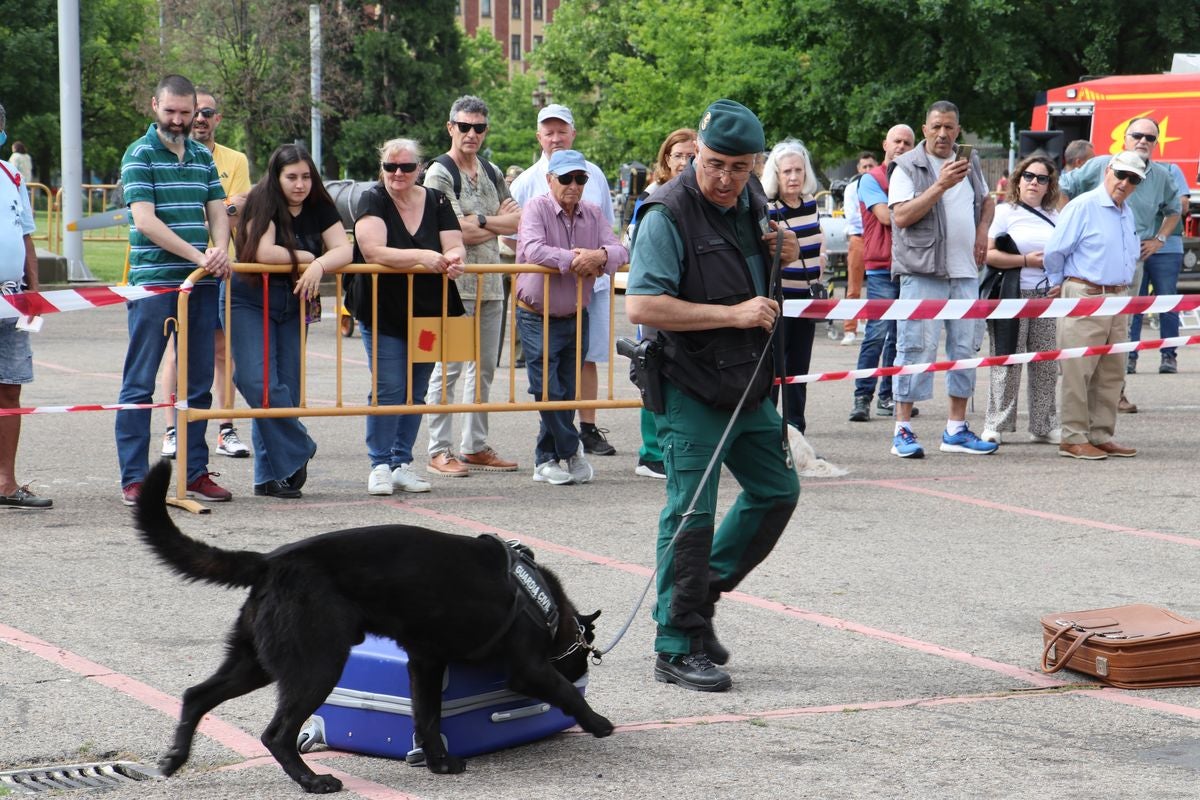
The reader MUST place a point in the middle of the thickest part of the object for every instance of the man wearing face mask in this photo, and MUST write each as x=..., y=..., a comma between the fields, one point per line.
x=176, y=203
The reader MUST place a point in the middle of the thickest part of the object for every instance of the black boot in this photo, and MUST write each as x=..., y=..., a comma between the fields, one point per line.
x=694, y=671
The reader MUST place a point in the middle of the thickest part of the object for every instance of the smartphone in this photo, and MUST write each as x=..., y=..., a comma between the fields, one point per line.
x=964, y=152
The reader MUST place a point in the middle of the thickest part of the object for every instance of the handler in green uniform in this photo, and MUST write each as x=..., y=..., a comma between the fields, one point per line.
x=699, y=275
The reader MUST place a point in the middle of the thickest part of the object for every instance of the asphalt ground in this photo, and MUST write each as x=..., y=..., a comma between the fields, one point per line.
x=888, y=648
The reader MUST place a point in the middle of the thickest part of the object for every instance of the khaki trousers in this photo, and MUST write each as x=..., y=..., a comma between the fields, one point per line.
x=1091, y=387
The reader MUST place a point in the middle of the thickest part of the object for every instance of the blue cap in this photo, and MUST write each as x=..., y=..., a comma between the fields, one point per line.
x=564, y=161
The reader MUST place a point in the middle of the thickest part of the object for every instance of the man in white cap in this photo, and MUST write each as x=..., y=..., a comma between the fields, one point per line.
x=556, y=131
x=1092, y=253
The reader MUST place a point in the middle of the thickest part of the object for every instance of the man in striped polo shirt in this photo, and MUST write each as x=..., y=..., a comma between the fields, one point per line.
x=173, y=189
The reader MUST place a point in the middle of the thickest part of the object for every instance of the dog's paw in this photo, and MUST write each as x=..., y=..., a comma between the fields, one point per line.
x=171, y=761
x=446, y=765
x=598, y=726
x=321, y=784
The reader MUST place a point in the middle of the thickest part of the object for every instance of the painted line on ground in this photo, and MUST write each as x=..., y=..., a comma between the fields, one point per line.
x=225, y=734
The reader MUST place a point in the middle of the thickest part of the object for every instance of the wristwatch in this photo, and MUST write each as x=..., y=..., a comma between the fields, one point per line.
x=482, y=220
x=1162, y=239
x=231, y=210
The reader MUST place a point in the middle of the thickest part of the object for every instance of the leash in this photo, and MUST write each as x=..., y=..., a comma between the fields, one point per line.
x=775, y=288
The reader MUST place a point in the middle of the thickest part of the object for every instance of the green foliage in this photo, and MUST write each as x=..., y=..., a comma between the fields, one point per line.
x=487, y=70
x=512, y=137
x=836, y=73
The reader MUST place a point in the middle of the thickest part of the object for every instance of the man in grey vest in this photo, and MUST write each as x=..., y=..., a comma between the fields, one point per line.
x=941, y=210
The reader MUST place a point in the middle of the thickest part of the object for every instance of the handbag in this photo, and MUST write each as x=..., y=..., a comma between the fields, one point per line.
x=1131, y=647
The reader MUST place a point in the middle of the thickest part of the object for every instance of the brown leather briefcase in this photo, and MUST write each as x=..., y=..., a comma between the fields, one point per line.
x=1130, y=647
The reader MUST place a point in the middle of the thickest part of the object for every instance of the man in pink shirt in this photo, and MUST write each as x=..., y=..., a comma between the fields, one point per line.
x=561, y=231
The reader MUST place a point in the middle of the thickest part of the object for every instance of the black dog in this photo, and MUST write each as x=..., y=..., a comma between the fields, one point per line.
x=441, y=597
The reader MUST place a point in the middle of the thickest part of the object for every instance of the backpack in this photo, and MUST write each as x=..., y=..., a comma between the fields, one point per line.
x=491, y=169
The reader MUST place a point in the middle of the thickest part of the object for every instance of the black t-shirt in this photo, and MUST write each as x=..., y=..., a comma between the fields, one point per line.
x=308, y=227
x=437, y=216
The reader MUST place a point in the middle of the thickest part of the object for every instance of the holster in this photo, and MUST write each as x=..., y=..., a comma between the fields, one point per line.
x=645, y=363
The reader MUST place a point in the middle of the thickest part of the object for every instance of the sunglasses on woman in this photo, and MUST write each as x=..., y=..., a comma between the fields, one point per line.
x=1033, y=176
x=463, y=127
x=579, y=177
x=391, y=166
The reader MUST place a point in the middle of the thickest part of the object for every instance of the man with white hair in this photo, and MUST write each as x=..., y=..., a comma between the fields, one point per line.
x=556, y=131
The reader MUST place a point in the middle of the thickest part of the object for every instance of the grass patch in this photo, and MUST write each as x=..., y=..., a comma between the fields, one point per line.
x=103, y=249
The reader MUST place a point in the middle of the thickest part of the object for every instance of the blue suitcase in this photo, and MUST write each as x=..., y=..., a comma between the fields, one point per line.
x=370, y=710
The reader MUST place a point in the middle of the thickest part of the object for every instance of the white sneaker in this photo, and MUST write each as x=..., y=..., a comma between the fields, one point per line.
x=553, y=473
x=404, y=479
x=169, y=443
x=581, y=471
x=230, y=444
x=380, y=481
x=848, y=338
x=1053, y=437
x=990, y=435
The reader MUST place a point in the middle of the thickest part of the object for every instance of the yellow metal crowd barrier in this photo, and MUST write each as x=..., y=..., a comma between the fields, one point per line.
x=36, y=189
x=452, y=339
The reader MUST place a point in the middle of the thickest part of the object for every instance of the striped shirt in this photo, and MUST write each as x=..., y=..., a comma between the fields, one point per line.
x=178, y=190
x=807, y=227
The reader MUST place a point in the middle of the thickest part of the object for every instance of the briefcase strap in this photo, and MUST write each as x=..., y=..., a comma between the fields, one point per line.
x=1061, y=661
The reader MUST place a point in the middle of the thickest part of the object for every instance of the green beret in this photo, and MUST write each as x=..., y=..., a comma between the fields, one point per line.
x=731, y=129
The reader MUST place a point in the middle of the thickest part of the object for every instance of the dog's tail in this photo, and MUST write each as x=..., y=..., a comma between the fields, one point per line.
x=195, y=561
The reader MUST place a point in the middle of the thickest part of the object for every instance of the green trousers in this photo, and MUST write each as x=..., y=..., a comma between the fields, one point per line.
x=650, y=451
x=707, y=559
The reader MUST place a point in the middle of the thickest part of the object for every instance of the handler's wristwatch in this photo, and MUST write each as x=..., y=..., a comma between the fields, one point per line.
x=482, y=220
x=1161, y=239
x=231, y=210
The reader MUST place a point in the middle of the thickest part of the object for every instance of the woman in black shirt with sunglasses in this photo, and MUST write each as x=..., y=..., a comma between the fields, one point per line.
x=402, y=225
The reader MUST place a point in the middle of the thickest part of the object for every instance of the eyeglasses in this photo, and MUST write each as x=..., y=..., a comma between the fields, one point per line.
x=1132, y=177
x=463, y=127
x=391, y=166
x=1033, y=176
x=679, y=157
x=1149, y=137
x=207, y=113
x=579, y=177
x=720, y=172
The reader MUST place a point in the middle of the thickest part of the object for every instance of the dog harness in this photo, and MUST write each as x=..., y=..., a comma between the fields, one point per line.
x=531, y=593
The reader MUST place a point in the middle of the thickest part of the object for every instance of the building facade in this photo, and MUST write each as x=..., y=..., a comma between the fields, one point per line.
x=519, y=25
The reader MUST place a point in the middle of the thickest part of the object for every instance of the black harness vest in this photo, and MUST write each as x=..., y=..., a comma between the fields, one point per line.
x=531, y=593
x=713, y=366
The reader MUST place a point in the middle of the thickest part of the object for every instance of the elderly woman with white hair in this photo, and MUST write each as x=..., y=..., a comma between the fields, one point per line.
x=790, y=184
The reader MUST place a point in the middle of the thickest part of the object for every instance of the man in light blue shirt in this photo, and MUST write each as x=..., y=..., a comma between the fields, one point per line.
x=1092, y=253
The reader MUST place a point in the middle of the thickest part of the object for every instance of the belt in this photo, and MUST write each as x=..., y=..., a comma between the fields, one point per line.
x=1114, y=289
x=522, y=304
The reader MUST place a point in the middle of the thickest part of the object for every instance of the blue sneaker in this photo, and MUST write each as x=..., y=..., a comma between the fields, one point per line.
x=904, y=444
x=967, y=442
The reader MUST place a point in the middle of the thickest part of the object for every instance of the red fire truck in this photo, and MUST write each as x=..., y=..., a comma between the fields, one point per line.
x=1100, y=109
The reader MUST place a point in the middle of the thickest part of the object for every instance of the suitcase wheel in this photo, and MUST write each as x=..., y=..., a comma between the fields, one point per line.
x=313, y=733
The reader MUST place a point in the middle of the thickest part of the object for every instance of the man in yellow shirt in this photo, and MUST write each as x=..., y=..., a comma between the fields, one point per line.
x=234, y=171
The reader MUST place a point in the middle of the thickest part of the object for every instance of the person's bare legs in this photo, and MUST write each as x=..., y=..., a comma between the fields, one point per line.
x=10, y=434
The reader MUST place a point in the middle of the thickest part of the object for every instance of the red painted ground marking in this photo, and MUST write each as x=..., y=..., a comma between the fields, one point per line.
x=1147, y=703
x=1027, y=676
x=360, y=786
x=1047, y=515
x=231, y=737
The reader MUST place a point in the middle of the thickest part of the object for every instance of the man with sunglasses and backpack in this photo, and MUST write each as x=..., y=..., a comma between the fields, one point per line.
x=1156, y=210
x=485, y=210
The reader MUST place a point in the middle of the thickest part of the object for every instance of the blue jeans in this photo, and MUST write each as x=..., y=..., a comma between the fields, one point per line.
x=1161, y=271
x=878, y=346
x=917, y=339
x=390, y=437
x=281, y=446
x=147, y=344
x=557, y=438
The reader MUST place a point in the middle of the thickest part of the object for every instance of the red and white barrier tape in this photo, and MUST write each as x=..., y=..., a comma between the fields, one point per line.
x=32, y=304
x=8, y=412
x=994, y=361
x=1044, y=307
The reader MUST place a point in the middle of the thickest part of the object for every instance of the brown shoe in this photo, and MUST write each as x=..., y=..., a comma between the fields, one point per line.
x=1114, y=449
x=1084, y=451
x=488, y=460
x=446, y=465
x=1126, y=407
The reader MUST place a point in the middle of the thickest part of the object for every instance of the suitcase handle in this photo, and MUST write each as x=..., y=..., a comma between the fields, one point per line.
x=520, y=713
x=1059, y=663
